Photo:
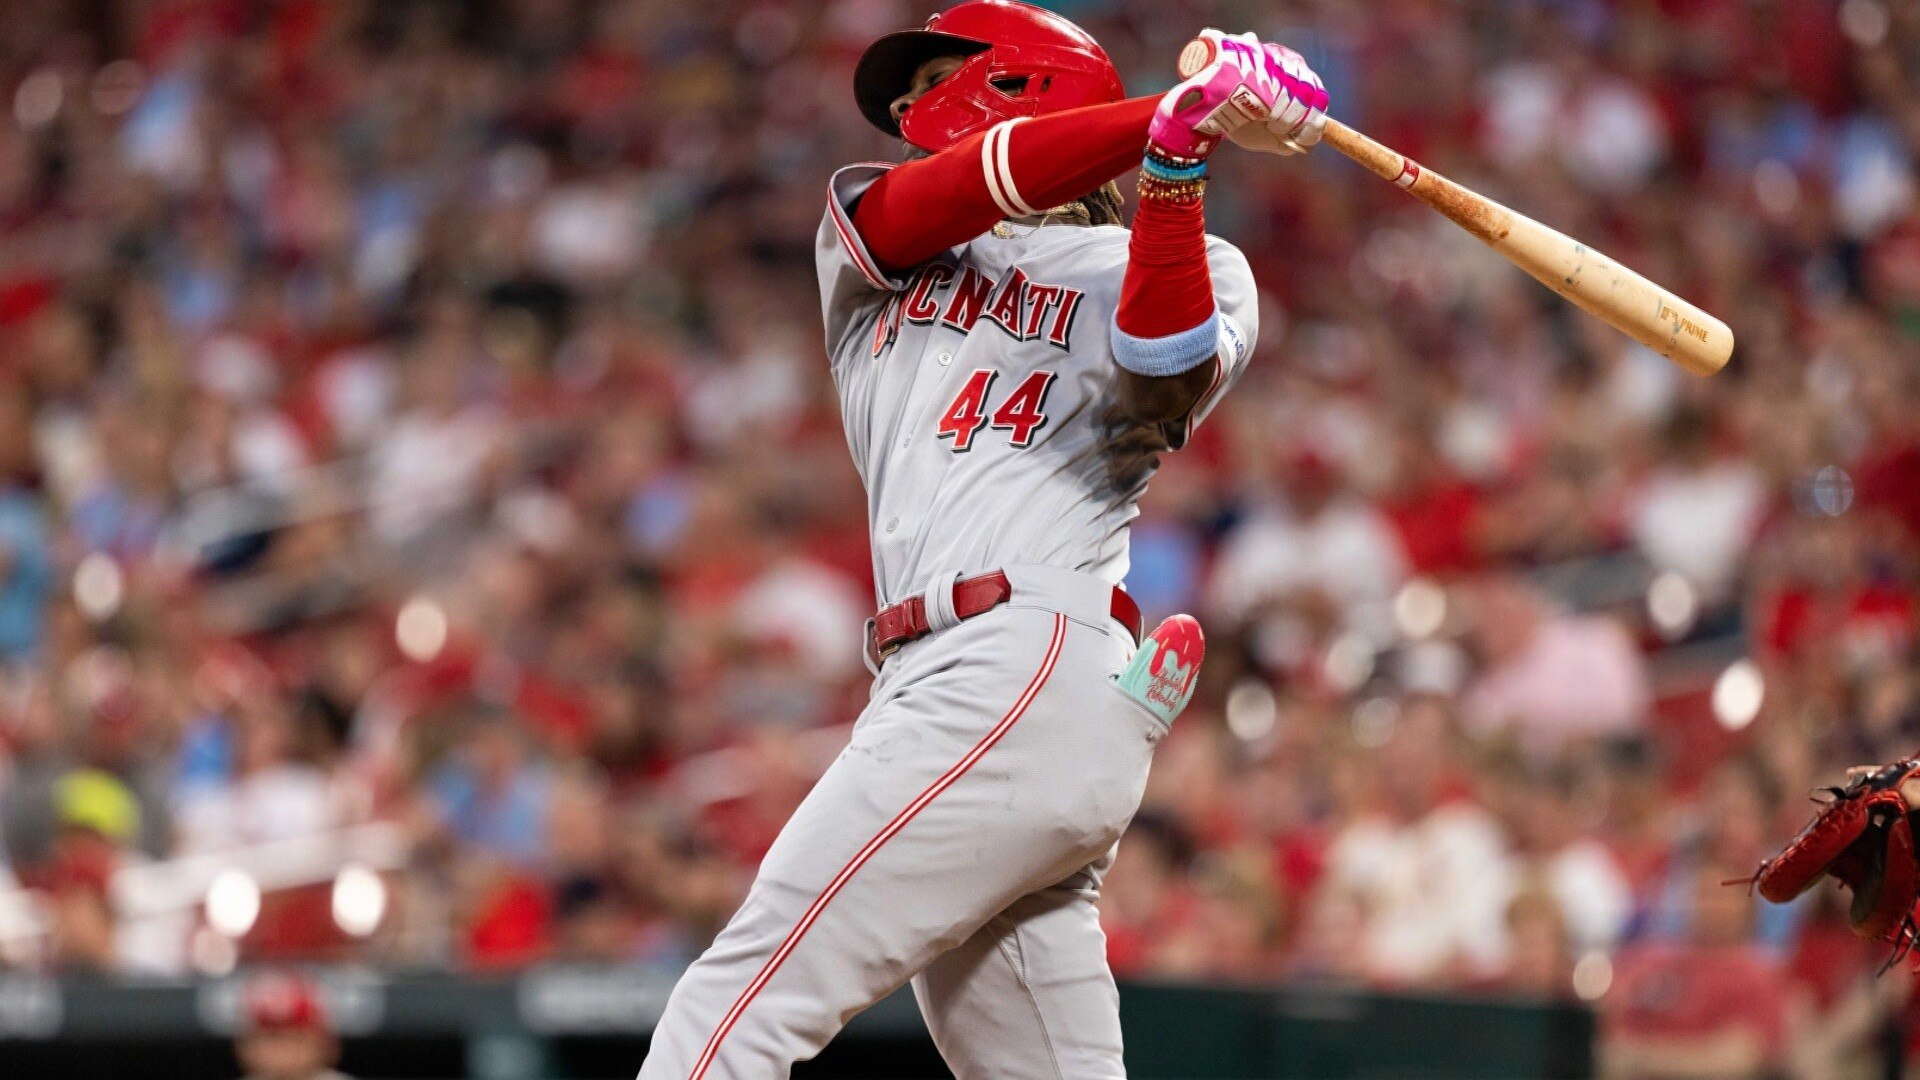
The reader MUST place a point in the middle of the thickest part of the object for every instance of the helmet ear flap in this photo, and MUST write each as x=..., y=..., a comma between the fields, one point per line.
x=964, y=102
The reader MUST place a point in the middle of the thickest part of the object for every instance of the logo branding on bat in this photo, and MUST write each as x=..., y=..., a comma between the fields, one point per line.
x=1680, y=323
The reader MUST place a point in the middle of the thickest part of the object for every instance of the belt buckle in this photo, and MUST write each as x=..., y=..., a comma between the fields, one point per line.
x=884, y=651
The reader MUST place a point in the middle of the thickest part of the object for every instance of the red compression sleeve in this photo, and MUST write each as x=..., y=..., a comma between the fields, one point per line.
x=1167, y=288
x=926, y=206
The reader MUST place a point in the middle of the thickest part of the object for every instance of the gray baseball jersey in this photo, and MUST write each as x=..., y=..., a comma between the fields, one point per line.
x=978, y=394
x=960, y=839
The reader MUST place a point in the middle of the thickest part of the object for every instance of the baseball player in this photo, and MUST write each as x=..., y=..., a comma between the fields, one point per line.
x=1010, y=361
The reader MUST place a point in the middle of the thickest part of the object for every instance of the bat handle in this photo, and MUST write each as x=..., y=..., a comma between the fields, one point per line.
x=1383, y=161
x=1483, y=218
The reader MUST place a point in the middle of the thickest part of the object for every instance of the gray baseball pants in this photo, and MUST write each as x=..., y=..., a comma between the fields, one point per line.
x=958, y=841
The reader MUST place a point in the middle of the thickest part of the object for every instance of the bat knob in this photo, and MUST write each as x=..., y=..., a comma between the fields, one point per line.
x=1197, y=54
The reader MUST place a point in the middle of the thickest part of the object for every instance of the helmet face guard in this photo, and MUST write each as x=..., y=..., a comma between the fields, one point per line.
x=1020, y=61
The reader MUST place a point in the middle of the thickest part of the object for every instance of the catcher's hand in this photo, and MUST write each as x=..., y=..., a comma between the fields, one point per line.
x=1864, y=838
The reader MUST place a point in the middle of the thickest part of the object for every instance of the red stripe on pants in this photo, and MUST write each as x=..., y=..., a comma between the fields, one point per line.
x=879, y=840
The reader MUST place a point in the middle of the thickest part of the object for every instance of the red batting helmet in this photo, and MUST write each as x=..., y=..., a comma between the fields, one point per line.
x=1022, y=60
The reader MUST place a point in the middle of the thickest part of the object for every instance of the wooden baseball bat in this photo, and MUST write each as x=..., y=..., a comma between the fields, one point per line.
x=1626, y=301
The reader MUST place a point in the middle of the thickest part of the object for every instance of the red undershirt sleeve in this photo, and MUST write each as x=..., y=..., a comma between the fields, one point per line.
x=1014, y=169
x=1168, y=288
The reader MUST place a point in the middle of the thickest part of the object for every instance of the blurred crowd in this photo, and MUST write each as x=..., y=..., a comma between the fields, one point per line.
x=414, y=412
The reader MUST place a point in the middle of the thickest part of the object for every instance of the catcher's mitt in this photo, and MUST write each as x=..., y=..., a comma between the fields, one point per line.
x=1864, y=838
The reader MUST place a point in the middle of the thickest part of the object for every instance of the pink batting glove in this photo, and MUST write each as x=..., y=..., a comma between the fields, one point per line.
x=1280, y=105
x=1297, y=123
x=1231, y=82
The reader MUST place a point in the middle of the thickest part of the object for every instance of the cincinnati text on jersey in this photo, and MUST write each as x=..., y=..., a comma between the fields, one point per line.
x=960, y=297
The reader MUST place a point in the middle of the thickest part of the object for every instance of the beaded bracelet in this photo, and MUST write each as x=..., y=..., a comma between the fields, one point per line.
x=1160, y=171
x=1176, y=191
x=1169, y=178
x=1172, y=167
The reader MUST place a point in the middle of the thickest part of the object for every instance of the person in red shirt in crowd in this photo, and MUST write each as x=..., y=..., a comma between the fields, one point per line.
x=1435, y=513
x=285, y=1032
x=1713, y=1005
x=1832, y=606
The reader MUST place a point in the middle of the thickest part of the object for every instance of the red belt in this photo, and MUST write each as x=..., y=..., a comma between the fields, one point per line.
x=907, y=620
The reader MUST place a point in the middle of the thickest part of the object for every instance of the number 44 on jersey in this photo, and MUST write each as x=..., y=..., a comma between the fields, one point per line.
x=1022, y=413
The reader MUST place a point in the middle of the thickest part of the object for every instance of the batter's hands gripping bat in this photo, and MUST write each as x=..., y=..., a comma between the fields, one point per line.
x=1628, y=302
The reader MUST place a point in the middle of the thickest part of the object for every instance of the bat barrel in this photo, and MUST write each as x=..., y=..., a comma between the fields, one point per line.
x=1625, y=300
